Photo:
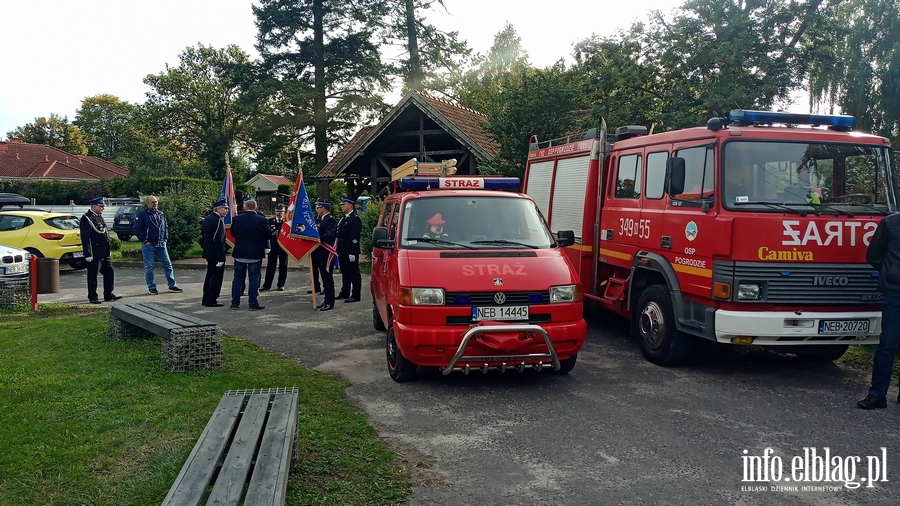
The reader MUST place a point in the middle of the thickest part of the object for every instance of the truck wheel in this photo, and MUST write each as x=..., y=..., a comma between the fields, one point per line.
x=566, y=366
x=827, y=353
x=399, y=368
x=124, y=237
x=376, y=318
x=653, y=324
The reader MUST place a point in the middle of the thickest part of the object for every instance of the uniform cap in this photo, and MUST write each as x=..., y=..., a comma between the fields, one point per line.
x=346, y=200
x=251, y=197
x=97, y=202
x=436, y=220
x=279, y=207
x=220, y=203
x=323, y=203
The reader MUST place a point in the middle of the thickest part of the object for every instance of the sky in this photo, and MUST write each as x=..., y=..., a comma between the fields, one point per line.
x=58, y=52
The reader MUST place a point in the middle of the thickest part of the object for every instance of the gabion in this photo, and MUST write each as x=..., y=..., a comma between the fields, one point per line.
x=194, y=348
x=14, y=293
x=120, y=329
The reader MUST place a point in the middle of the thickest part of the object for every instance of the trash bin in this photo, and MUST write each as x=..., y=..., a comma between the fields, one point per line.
x=47, y=275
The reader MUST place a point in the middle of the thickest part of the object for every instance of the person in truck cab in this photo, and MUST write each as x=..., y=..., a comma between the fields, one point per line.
x=435, y=228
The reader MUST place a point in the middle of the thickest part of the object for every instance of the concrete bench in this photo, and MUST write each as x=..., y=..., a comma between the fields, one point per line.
x=245, y=453
x=187, y=342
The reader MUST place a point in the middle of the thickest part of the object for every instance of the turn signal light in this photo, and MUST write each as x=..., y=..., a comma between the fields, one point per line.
x=722, y=290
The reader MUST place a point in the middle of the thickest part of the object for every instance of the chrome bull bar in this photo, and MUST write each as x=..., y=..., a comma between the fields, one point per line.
x=516, y=361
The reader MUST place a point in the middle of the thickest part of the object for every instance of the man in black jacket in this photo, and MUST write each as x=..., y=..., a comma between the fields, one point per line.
x=213, y=240
x=321, y=257
x=278, y=257
x=884, y=255
x=348, y=232
x=251, y=237
x=95, y=244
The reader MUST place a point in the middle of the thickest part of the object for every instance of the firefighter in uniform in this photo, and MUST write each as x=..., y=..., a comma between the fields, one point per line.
x=348, y=232
x=95, y=244
x=278, y=257
x=327, y=226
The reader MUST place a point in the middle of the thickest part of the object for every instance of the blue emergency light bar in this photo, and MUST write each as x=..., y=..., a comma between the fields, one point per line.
x=459, y=183
x=836, y=121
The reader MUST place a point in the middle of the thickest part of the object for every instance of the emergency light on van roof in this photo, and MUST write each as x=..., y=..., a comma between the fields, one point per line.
x=836, y=121
x=459, y=183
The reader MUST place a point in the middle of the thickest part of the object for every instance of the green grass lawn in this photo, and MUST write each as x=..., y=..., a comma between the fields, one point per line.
x=85, y=419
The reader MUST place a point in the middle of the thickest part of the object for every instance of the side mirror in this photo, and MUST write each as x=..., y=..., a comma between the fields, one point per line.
x=380, y=238
x=675, y=176
x=565, y=238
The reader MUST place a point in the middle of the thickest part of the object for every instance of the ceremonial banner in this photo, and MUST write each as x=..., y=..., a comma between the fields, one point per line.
x=299, y=235
x=227, y=194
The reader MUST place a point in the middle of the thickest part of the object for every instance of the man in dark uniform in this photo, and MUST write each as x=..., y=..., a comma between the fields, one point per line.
x=278, y=257
x=95, y=244
x=213, y=241
x=322, y=265
x=348, y=232
x=251, y=244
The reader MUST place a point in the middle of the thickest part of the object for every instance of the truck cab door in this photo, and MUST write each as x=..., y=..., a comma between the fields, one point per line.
x=384, y=259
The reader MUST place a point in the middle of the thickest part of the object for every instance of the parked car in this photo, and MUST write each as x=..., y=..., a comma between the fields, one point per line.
x=123, y=223
x=13, y=200
x=44, y=234
x=14, y=264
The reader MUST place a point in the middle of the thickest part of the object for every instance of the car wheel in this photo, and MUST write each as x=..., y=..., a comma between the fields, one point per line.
x=376, y=318
x=653, y=324
x=124, y=237
x=78, y=264
x=566, y=366
x=399, y=368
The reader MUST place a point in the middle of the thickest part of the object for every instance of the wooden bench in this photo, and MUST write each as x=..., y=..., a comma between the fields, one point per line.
x=187, y=342
x=245, y=452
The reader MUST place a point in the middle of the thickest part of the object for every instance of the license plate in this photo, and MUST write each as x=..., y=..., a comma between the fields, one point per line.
x=499, y=313
x=843, y=327
x=78, y=254
x=17, y=269
x=124, y=222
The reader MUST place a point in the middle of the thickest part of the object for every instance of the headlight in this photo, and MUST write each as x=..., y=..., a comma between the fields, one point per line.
x=748, y=292
x=565, y=293
x=427, y=296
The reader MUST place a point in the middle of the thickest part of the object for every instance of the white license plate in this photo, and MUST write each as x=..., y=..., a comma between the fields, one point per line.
x=499, y=313
x=124, y=222
x=17, y=269
x=78, y=254
x=843, y=327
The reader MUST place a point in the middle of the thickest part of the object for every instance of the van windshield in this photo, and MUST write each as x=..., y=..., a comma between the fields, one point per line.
x=492, y=221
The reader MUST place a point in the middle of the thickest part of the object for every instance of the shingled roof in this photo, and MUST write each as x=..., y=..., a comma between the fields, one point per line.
x=461, y=123
x=21, y=160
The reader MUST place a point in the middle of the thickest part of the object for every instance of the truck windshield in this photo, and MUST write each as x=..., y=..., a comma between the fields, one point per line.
x=492, y=221
x=808, y=177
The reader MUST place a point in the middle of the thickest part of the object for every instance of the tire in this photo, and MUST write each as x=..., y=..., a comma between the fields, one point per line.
x=124, y=237
x=376, y=318
x=826, y=353
x=566, y=366
x=399, y=368
x=653, y=324
x=78, y=264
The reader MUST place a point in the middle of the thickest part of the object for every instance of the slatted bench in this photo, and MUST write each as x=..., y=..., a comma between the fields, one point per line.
x=245, y=452
x=187, y=342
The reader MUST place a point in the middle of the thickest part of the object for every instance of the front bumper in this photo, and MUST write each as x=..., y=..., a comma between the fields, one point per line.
x=783, y=328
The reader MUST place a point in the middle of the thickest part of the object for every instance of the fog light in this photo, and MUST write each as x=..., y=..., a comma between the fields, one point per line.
x=742, y=340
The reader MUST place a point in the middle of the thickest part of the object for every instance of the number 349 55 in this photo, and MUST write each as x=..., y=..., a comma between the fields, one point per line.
x=634, y=228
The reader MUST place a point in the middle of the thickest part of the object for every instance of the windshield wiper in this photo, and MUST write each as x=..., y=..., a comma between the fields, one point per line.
x=505, y=243
x=437, y=241
x=784, y=206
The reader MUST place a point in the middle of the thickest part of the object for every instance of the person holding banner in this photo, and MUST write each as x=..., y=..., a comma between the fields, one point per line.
x=278, y=257
x=213, y=240
x=322, y=256
x=251, y=245
x=348, y=234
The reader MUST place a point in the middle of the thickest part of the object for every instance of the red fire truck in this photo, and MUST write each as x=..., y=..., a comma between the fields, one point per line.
x=466, y=277
x=751, y=231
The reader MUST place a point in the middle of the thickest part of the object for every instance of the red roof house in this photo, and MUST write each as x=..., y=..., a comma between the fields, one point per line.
x=21, y=160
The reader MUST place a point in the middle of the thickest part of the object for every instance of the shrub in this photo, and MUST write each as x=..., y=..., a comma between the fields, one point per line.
x=369, y=219
x=114, y=244
x=184, y=205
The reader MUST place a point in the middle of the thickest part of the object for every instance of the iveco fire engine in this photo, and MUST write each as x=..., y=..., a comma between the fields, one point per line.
x=751, y=231
x=465, y=277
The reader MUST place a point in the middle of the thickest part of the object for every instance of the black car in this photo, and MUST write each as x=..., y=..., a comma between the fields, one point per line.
x=123, y=223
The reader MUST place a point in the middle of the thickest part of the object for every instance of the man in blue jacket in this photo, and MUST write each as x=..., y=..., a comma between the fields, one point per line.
x=884, y=255
x=251, y=244
x=151, y=229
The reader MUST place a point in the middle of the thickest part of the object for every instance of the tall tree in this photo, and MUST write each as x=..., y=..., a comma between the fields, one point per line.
x=196, y=106
x=428, y=53
x=54, y=131
x=858, y=67
x=108, y=124
x=478, y=86
x=323, y=66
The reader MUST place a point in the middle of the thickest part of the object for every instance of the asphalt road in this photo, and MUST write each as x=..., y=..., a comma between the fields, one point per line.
x=617, y=430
